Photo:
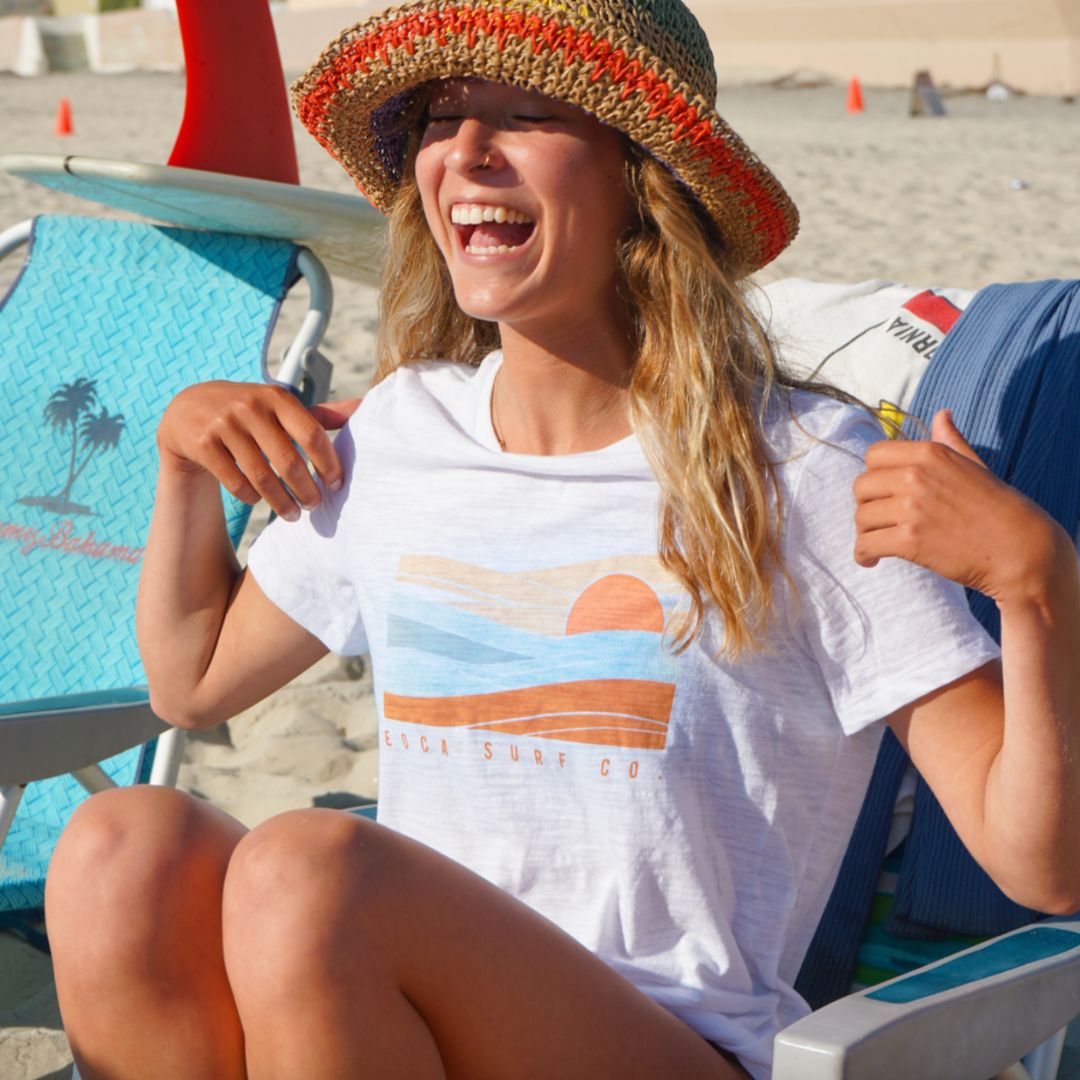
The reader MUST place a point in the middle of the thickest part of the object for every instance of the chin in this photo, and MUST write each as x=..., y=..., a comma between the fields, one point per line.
x=486, y=308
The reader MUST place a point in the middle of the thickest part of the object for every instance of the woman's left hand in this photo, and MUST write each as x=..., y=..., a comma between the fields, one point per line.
x=936, y=504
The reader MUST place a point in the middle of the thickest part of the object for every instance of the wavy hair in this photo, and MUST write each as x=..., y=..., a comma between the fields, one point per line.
x=704, y=375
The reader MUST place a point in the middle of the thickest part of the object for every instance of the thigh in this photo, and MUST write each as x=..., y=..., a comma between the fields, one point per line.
x=508, y=994
x=133, y=906
x=504, y=992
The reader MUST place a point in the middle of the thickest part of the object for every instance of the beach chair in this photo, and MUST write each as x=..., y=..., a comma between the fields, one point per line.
x=1010, y=370
x=106, y=322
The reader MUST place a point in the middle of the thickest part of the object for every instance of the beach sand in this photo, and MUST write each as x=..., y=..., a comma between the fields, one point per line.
x=990, y=193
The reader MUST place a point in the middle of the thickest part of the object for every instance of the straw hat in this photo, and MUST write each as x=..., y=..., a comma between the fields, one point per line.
x=642, y=66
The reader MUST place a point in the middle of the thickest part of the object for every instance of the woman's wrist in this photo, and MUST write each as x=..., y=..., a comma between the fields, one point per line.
x=1043, y=573
x=180, y=474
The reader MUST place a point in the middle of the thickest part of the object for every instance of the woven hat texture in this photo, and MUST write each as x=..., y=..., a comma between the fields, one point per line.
x=641, y=66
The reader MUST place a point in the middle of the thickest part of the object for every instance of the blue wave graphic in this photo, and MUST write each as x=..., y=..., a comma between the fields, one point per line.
x=437, y=650
x=410, y=634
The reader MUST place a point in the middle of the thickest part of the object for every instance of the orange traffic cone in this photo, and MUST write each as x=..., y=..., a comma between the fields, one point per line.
x=63, y=118
x=854, y=96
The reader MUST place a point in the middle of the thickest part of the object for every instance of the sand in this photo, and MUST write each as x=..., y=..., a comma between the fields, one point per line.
x=988, y=194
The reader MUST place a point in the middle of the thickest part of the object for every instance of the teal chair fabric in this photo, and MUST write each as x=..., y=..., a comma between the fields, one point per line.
x=107, y=321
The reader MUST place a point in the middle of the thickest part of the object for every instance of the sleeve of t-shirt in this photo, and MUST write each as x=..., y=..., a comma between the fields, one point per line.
x=881, y=636
x=307, y=568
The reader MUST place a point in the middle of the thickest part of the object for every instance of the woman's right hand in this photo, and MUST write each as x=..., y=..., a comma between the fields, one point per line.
x=246, y=436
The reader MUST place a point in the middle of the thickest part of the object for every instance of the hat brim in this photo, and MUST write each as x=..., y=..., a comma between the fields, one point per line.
x=353, y=98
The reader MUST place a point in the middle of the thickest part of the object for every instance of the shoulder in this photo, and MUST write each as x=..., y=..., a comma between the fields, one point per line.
x=435, y=378
x=805, y=432
x=422, y=398
x=439, y=383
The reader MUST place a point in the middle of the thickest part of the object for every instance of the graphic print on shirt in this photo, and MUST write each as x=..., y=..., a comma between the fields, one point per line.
x=905, y=342
x=921, y=325
x=572, y=653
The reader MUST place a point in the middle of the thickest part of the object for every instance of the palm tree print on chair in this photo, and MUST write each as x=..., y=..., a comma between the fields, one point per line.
x=71, y=408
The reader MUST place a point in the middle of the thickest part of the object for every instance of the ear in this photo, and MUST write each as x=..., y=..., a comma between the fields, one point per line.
x=944, y=431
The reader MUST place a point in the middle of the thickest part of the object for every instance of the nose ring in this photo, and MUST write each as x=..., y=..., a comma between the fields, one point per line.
x=486, y=163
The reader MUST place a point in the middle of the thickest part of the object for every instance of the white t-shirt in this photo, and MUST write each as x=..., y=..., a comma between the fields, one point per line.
x=681, y=816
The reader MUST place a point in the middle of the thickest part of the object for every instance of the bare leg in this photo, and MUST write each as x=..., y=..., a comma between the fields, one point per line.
x=359, y=953
x=133, y=907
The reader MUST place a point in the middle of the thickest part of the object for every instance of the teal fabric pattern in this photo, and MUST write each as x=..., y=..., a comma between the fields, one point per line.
x=106, y=323
x=1001, y=955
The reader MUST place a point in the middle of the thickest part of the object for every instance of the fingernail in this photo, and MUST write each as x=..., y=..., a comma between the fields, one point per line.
x=337, y=485
x=310, y=505
x=292, y=515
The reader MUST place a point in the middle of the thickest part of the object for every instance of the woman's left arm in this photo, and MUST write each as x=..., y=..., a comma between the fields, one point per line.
x=1000, y=748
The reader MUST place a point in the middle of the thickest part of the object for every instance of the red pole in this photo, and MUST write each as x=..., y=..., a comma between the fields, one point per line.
x=236, y=113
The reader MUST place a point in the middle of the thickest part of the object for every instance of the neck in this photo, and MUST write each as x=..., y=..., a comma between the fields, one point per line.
x=564, y=392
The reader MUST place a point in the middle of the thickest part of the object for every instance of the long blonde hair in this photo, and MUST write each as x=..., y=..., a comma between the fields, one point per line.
x=704, y=375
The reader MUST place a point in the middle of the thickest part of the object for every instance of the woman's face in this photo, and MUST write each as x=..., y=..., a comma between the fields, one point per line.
x=526, y=198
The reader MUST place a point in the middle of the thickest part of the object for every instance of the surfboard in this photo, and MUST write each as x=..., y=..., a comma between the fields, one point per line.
x=343, y=230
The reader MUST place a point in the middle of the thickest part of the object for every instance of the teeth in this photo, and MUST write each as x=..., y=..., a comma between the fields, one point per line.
x=474, y=249
x=476, y=214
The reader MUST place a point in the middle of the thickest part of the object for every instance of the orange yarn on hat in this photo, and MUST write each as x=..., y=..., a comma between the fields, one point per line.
x=642, y=67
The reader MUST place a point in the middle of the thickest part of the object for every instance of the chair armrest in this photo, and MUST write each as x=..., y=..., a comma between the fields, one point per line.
x=15, y=236
x=313, y=328
x=970, y=1015
x=50, y=736
x=91, y=699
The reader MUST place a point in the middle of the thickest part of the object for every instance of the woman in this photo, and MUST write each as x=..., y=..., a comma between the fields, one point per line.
x=630, y=677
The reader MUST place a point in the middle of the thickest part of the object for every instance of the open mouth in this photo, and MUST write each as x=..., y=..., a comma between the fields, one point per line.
x=485, y=229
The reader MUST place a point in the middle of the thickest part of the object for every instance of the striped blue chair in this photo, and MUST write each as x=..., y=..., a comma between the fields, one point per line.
x=106, y=322
x=1009, y=368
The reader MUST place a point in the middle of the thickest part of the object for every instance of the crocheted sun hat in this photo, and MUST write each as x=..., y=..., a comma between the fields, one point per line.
x=642, y=66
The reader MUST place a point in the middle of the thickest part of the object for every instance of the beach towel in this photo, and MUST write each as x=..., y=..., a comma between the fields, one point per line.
x=874, y=339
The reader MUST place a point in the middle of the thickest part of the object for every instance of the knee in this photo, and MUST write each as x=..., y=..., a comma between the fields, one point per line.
x=297, y=887
x=131, y=857
x=311, y=859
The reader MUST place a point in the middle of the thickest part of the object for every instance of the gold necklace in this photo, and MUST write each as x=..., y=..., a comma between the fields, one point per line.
x=494, y=422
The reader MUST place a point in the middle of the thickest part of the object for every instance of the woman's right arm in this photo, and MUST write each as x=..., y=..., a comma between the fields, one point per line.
x=211, y=642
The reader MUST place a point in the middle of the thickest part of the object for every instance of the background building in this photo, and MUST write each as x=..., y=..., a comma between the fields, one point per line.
x=25, y=7
x=1031, y=45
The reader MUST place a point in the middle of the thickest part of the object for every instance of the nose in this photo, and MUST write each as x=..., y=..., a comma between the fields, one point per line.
x=474, y=148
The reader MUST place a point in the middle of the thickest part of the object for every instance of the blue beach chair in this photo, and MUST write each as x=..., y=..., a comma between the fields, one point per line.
x=106, y=322
x=1009, y=368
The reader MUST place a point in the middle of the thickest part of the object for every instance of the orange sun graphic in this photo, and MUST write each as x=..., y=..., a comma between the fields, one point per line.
x=616, y=602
